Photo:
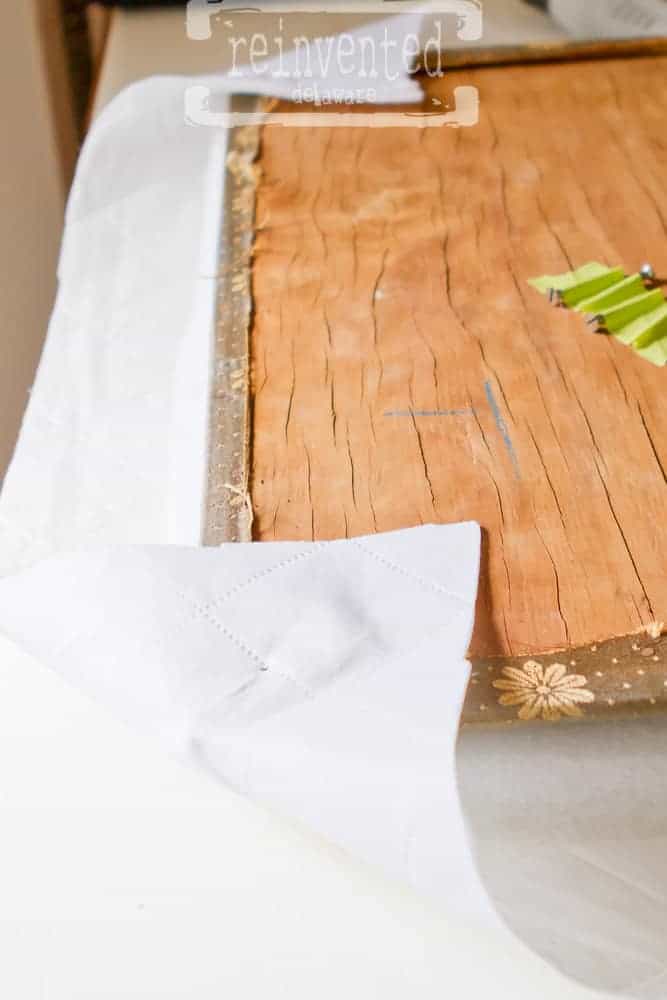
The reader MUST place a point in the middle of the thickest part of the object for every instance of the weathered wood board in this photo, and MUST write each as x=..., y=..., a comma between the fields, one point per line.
x=404, y=372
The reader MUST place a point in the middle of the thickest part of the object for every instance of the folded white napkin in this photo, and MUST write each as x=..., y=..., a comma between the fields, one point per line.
x=323, y=679
x=126, y=875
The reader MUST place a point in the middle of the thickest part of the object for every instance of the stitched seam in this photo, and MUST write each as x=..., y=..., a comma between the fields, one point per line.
x=429, y=584
x=379, y=659
x=238, y=587
x=264, y=667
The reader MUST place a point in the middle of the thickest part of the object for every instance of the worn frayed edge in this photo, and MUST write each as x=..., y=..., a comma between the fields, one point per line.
x=229, y=513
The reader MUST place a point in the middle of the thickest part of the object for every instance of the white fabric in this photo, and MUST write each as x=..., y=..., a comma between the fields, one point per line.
x=113, y=445
x=323, y=679
x=127, y=876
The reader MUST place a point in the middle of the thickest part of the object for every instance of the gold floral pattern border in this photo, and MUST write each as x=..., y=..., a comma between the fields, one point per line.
x=625, y=676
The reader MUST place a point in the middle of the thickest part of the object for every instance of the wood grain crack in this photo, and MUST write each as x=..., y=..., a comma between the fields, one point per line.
x=390, y=277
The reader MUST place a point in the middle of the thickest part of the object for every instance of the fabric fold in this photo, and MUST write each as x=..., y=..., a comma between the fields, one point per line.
x=322, y=679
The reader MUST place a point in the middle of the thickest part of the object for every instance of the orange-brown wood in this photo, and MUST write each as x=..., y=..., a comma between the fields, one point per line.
x=404, y=372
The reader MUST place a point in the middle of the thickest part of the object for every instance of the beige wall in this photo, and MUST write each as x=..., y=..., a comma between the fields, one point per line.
x=33, y=177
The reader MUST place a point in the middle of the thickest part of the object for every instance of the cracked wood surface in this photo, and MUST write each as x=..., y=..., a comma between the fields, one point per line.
x=403, y=372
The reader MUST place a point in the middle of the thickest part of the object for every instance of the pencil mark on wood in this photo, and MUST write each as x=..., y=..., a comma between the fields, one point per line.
x=502, y=427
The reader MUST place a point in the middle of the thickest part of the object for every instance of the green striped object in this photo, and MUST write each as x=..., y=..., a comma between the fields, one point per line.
x=615, y=304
